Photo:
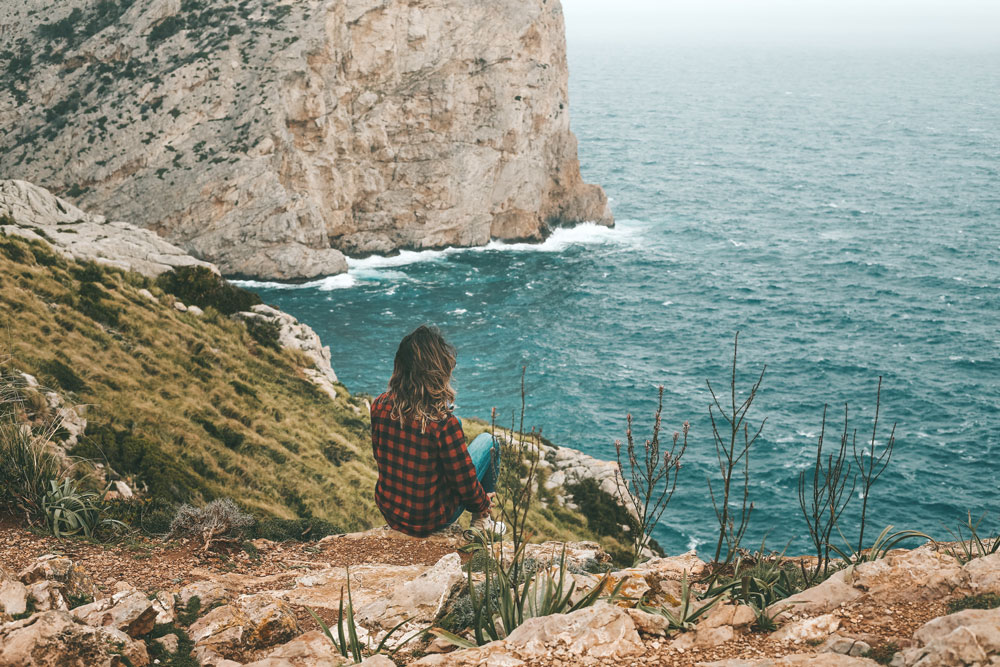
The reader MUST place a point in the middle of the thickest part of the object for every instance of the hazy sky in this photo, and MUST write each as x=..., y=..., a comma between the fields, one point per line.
x=969, y=23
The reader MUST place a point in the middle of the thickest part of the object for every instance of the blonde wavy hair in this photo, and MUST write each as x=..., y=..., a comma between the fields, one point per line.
x=421, y=377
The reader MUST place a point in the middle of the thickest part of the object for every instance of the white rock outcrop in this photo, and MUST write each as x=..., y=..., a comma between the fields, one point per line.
x=269, y=136
x=32, y=212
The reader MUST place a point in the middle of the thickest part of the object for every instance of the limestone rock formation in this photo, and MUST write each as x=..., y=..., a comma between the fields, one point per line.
x=584, y=636
x=35, y=213
x=57, y=639
x=267, y=136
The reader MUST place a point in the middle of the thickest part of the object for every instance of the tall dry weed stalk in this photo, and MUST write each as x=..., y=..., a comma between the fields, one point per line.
x=651, y=479
x=733, y=444
x=825, y=496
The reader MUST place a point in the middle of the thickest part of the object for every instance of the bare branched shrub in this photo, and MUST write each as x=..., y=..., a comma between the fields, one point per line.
x=826, y=499
x=219, y=521
x=872, y=463
x=651, y=479
x=516, y=464
x=732, y=448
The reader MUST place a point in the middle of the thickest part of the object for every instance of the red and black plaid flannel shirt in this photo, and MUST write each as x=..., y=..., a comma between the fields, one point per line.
x=423, y=478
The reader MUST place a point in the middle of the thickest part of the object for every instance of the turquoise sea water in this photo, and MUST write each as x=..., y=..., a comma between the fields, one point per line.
x=841, y=210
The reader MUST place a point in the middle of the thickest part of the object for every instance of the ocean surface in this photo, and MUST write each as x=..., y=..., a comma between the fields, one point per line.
x=841, y=210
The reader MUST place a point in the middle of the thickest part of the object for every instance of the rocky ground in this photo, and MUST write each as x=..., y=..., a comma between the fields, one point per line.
x=68, y=602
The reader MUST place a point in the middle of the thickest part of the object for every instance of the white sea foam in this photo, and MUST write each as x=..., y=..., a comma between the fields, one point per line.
x=339, y=281
x=372, y=268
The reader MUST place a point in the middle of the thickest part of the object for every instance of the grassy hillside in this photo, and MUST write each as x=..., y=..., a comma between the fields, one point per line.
x=191, y=408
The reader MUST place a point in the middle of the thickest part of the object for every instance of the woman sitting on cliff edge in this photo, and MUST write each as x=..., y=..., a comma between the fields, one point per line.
x=427, y=477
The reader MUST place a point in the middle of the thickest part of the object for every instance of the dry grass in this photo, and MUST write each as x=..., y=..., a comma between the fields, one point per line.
x=167, y=394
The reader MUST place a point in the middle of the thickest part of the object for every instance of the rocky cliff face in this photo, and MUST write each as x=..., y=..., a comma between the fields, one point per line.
x=267, y=137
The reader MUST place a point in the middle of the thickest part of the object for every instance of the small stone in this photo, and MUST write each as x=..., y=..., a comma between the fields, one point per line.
x=170, y=643
x=180, y=306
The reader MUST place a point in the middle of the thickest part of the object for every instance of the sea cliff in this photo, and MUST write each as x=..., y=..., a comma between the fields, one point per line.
x=270, y=138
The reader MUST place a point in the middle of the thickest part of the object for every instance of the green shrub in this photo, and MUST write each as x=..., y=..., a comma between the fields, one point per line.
x=981, y=601
x=164, y=30
x=605, y=516
x=63, y=375
x=201, y=287
x=151, y=516
x=227, y=436
x=267, y=333
x=243, y=389
x=88, y=272
x=338, y=454
x=294, y=530
x=131, y=453
x=883, y=653
x=14, y=249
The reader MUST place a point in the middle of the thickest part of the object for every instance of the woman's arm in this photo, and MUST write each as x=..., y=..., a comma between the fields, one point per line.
x=459, y=468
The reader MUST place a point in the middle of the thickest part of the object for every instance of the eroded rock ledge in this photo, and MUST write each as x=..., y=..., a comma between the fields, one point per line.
x=270, y=137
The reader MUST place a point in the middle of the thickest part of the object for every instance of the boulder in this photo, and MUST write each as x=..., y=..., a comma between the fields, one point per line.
x=73, y=581
x=826, y=596
x=57, y=639
x=808, y=629
x=250, y=622
x=48, y=595
x=312, y=649
x=739, y=616
x=295, y=335
x=919, y=575
x=169, y=643
x=659, y=578
x=208, y=593
x=165, y=606
x=420, y=600
x=970, y=637
x=845, y=646
x=984, y=574
x=131, y=612
x=598, y=633
x=13, y=597
x=649, y=624
x=369, y=582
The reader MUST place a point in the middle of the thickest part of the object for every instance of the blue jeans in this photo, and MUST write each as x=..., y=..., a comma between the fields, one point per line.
x=485, y=457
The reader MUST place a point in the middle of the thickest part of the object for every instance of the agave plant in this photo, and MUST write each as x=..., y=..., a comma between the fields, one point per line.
x=347, y=642
x=884, y=543
x=973, y=546
x=685, y=617
x=71, y=511
x=499, y=605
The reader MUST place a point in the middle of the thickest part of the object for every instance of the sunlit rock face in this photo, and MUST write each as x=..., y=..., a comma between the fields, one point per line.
x=271, y=137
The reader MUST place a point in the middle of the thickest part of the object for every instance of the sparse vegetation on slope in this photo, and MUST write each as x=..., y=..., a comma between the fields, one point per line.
x=168, y=405
x=192, y=408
